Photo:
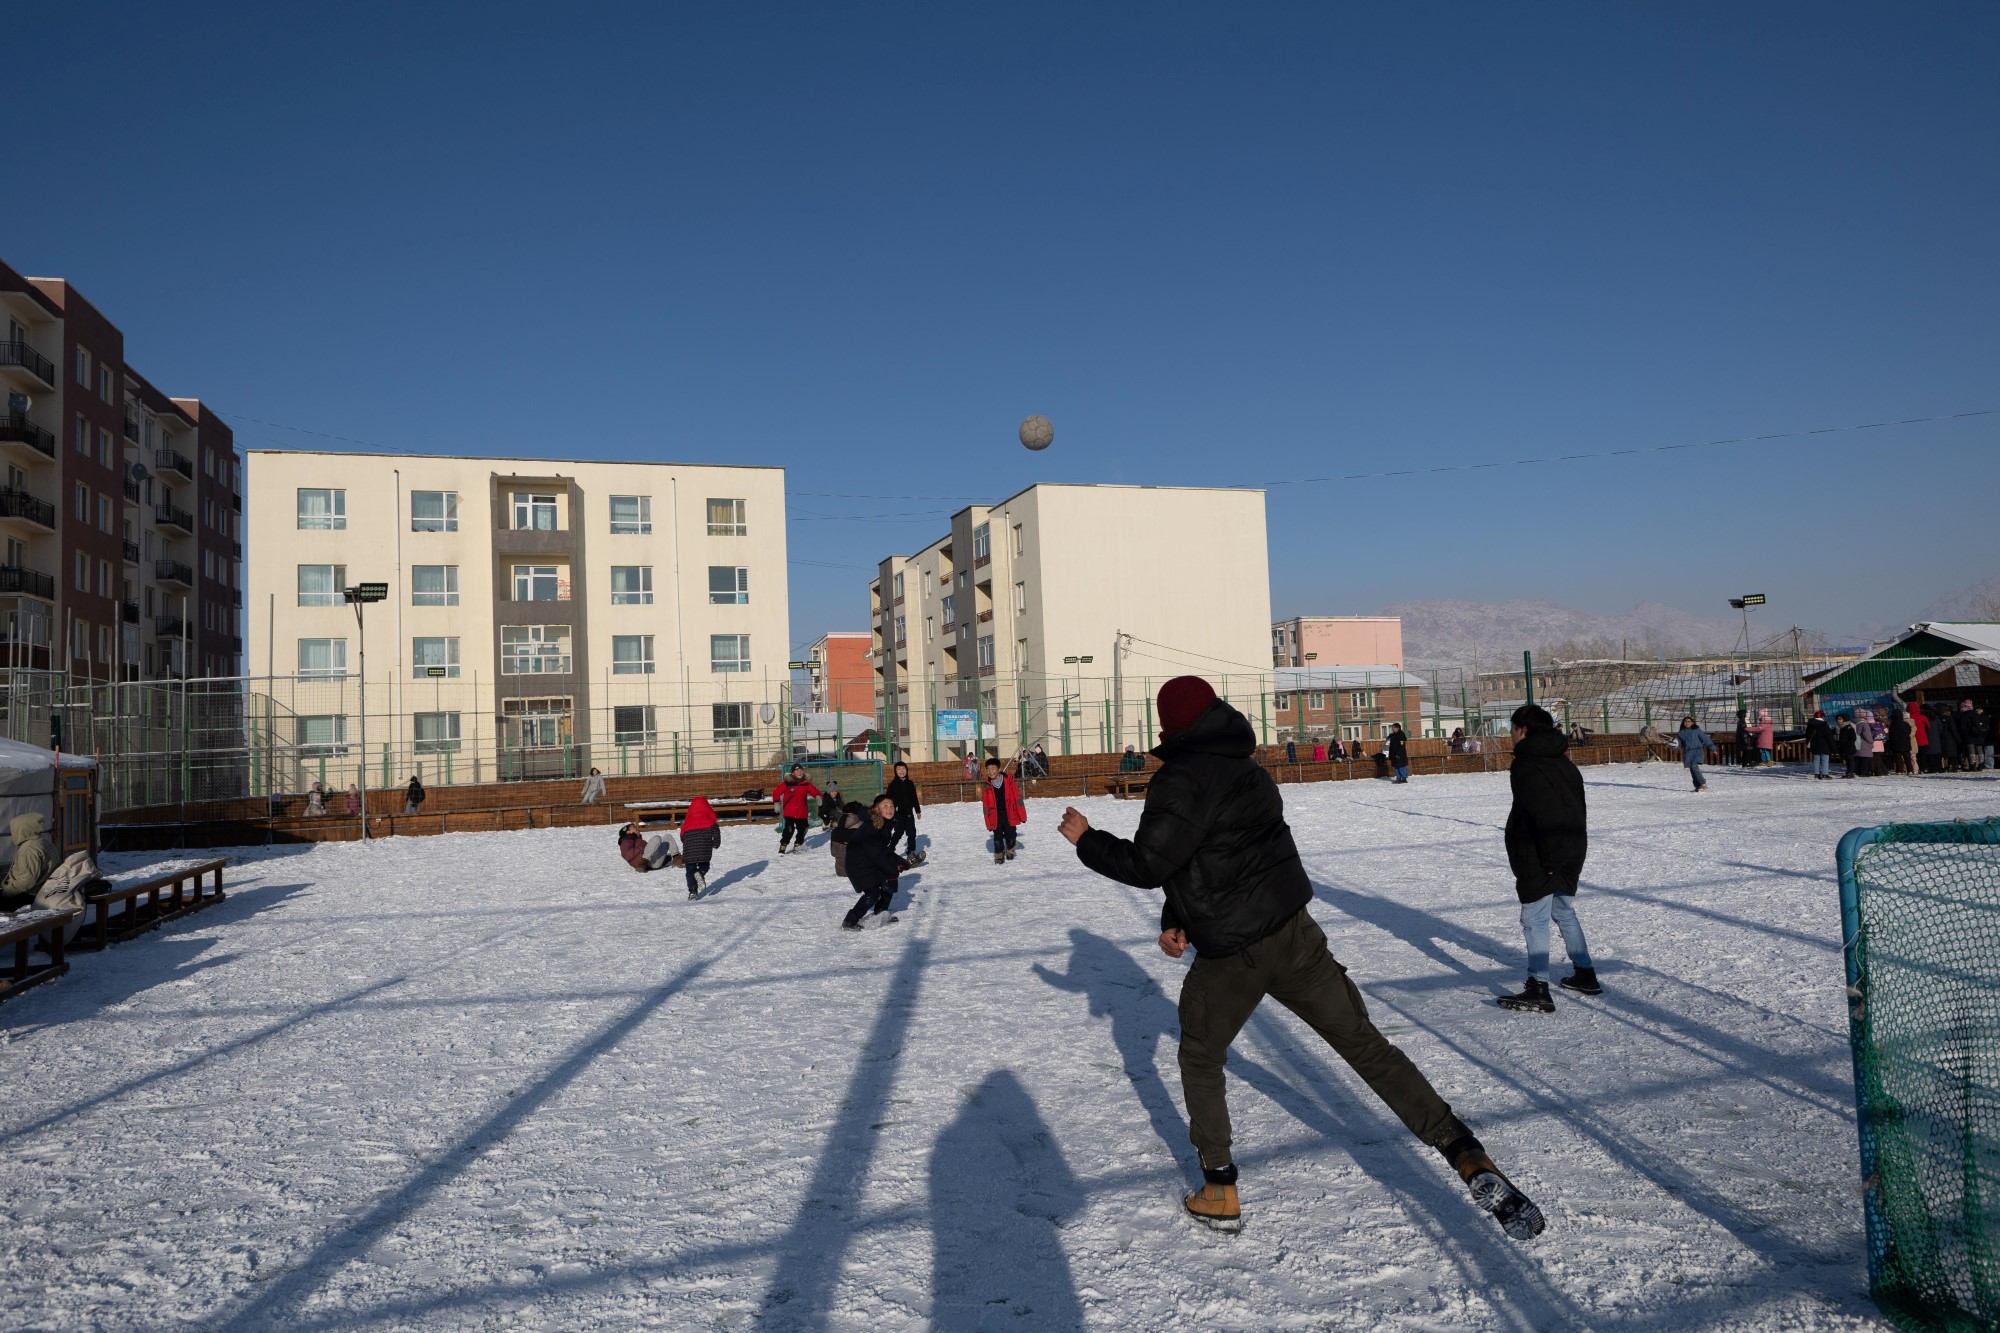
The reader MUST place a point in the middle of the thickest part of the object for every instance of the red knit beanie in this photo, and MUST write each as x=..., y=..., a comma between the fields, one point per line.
x=1182, y=700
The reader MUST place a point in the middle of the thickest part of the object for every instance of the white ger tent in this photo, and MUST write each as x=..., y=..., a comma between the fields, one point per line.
x=28, y=785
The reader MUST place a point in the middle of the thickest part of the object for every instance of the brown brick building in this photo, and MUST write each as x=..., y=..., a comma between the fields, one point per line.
x=121, y=509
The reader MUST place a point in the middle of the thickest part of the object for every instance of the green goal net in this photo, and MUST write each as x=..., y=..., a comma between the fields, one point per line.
x=1921, y=921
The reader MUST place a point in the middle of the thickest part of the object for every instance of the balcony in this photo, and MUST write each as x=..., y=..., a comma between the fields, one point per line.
x=169, y=461
x=236, y=598
x=173, y=571
x=173, y=518
x=26, y=582
x=23, y=357
x=131, y=430
x=236, y=503
x=236, y=550
x=131, y=491
x=236, y=644
x=17, y=429
x=985, y=617
x=131, y=553
x=169, y=627
x=130, y=611
x=21, y=507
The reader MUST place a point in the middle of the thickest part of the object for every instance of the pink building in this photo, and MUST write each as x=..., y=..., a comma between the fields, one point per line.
x=1338, y=641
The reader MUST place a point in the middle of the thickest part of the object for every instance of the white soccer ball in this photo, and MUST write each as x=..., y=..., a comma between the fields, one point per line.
x=1037, y=433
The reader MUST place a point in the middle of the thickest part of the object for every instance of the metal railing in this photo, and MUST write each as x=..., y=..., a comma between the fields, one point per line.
x=18, y=353
x=20, y=504
x=17, y=429
x=173, y=571
x=19, y=579
x=130, y=611
x=131, y=553
x=169, y=627
x=131, y=491
x=174, y=461
x=178, y=518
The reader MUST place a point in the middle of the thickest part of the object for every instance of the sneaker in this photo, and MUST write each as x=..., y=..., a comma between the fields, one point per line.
x=1494, y=1193
x=1583, y=981
x=1533, y=999
x=693, y=894
x=1214, y=1205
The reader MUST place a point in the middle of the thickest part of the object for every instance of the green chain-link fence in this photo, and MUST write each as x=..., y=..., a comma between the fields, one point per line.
x=1920, y=905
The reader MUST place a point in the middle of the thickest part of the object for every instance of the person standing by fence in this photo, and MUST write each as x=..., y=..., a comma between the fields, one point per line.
x=1696, y=747
x=1766, y=736
x=1819, y=743
x=413, y=796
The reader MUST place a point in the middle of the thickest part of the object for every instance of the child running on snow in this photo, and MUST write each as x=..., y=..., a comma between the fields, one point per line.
x=852, y=817
x=1004, y=811
x=829, y=805
x=793, y=799
x=701, y=835
x=872, y=864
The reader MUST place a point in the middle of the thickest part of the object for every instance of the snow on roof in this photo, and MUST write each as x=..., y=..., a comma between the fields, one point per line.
x=1978, y=635
x=21, y=755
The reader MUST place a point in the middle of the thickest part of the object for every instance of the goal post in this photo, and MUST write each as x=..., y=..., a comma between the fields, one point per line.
x=1920, y=929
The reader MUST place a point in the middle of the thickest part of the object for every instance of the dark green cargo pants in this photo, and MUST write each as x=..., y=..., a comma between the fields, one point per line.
x=1294, y=967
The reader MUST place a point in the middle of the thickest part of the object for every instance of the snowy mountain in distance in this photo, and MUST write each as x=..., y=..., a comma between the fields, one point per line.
x=1974, y=602
x=1452, y=633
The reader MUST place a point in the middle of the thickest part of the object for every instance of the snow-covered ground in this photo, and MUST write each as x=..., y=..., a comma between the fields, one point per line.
x=499, y=1080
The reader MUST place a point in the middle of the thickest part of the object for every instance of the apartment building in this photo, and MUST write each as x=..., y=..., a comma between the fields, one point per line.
x=1052, y=616
x=1338, y=641
x=842, y=680
x=122, y=508
x=542, y=616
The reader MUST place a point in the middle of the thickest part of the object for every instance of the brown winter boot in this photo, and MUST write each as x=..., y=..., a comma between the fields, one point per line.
x=1492, y=1192
x=1214, y=1204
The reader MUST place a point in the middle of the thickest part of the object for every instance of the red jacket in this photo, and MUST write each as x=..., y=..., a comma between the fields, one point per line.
x=1017, y=814
x=794, y=798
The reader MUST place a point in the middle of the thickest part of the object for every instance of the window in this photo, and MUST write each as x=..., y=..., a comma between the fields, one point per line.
x=208, y=461
x=540, y=583
x=899, y=587
x=104, y=382
x=323, y=735
x=982, y=544
x=104, y=578
x=632, y=725
x=83, y=367
x=82, y=572
x=1350, y=731
x=950, y=610
x=986, y=652
x=1316, y=700
x=433, y=585
x=631, y=585
x=322, y=659
x=631, y=515
x=1362, y=698
x=729, y=652
x=731, y=722
x=535, y=512
x=631, y=654
x=1020, y=541
x=539, y=723
x=437, y=733
x=104, y=445
x=322, y=509
x=428, y=653
x=534, y=650
x=902, y=633
x=82, y=503
x=726, y=518
x=81, y=435
x=433, y=511
x=930, y=628
x=322, y=585
x=1281, y=703
x=1020, y=599
x=729, y=585
x=208, y=564
x=104, y=513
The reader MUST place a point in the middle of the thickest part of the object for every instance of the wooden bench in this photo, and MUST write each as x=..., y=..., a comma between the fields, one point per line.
x=728, y=810
x=1126, y=785
x=184, y=891
x=22, y=930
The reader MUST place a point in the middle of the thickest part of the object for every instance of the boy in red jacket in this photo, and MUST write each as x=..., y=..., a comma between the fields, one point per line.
x=1004, y=811
x=794, y=801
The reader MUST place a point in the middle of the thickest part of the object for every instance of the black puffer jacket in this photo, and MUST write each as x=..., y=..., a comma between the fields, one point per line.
x=1819, y=736
x=1546, y=832
x=904, y=793
x=869, y=862
x=1213, y=836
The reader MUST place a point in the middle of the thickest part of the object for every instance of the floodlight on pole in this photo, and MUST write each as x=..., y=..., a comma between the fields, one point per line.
x=359, y=596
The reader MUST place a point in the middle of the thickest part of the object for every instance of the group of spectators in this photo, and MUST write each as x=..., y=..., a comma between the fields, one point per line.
x=1913, y=738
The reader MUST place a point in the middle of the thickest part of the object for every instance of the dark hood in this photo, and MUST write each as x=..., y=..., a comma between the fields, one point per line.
x=1220, y=730
x=1542, y=743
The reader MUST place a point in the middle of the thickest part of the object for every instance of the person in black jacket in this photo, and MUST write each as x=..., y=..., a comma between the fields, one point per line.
x=1819, y=744
x=872, y=863
x=909, y=809
x=1214, y=837
x=413, y=797
x=1546, y=840
x=1399, y=752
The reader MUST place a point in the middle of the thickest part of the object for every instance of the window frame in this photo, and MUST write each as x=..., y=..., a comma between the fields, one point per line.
x=640, y=596
x=445, y=596
x=438, y=744
x=741, y=723
x=639, y=526
x=740, y=596
x=336, y=597
x=535, y=574
x=337, y=655
x=445, y=521
x=644, y=664
x=336, y=515
x=729, y=666
x=420, y=670
x=541, y=637
x=737, y=526
x=529, y=504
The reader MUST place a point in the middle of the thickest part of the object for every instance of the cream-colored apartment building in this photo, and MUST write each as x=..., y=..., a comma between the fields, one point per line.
x=1054, y=615
x=542, y=616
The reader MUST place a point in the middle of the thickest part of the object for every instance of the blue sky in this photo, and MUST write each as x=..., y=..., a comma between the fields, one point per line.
x=1215, y=244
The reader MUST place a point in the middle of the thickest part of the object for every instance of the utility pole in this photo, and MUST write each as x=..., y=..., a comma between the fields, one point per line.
x=358, y=596
x=1118, y=689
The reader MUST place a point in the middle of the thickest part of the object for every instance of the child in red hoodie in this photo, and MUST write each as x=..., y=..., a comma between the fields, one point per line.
x=1004, y=811
x=701, y=834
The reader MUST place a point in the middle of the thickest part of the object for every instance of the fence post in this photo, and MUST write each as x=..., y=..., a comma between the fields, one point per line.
x=1528, y=675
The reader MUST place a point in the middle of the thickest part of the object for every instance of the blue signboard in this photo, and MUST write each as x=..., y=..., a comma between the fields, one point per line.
x=958, y=724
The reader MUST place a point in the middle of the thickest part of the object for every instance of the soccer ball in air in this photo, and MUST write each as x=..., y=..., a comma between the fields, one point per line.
x=1037, y=433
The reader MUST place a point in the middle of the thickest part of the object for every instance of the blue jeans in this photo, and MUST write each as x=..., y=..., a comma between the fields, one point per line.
x=1535, y=925
x=1822, y=765
x=1402, y=772
x=1694, y=771
x=1763, y=756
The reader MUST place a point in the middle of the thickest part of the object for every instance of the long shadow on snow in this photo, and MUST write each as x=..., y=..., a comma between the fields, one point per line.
x=102, y=980
x=1422, y=930
x=285, y=1294
x=1141, y=1015
x=1000, y=1191
x=812, y=1250
x=736, y=876
x=1487, y=1262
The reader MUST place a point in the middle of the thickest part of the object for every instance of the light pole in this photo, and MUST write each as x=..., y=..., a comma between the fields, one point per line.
x=1075, y=692
x=1743, y=604
x=358, y=596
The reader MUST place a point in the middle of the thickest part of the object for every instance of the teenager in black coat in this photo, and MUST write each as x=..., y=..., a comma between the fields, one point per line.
x=872, y=863
x=1547, y=837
